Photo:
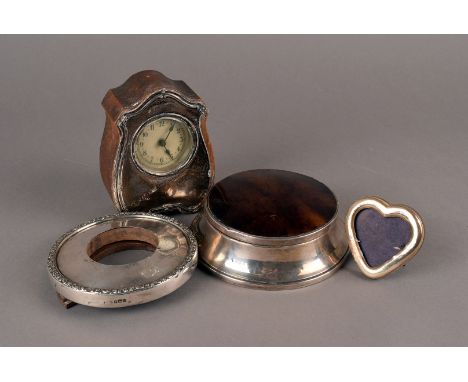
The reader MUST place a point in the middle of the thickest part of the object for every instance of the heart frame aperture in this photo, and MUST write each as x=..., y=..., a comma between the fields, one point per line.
x=386, y=210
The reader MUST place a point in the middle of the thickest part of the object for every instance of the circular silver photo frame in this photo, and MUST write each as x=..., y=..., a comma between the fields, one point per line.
x=78, y=277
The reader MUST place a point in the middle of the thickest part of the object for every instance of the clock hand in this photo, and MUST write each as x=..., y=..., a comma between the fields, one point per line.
x=168, y=153
x=162, y=142
x=170, y=131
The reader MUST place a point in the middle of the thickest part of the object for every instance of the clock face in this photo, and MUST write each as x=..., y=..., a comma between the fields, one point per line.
x=163, y=145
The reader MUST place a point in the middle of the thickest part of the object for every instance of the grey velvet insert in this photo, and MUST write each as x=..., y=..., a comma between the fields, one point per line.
x=380, y=238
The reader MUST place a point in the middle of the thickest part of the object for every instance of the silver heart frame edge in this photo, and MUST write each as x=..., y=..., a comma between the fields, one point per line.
x=387, y=210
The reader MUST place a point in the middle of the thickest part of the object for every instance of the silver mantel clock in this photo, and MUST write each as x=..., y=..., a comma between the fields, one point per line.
x=155, y=151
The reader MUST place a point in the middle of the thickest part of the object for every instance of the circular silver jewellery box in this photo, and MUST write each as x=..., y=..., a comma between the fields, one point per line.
x=78, y=277
x=271, y=229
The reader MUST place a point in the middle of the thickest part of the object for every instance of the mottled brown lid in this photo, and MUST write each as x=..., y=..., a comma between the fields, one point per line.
x=272, y=203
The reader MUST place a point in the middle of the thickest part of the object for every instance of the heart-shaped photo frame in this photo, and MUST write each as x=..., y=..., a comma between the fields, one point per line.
x=383, y=237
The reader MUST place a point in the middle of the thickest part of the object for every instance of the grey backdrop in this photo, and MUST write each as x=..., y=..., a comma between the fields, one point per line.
x=384, y=115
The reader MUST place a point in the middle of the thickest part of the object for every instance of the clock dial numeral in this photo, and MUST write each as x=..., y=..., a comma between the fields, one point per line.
x=163, y=145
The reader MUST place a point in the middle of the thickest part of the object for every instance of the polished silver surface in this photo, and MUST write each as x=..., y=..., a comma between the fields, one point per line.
x=118, y=186
x=270, y=263
x=77, y=276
